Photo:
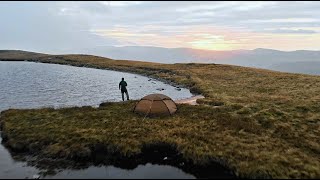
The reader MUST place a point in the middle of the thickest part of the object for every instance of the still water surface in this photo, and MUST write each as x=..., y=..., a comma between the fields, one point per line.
x=36, y=85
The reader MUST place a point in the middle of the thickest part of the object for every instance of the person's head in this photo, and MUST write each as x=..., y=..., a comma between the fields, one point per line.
x=122, y=79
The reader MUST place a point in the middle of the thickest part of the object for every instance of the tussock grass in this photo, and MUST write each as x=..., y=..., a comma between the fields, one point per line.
x=258, y=122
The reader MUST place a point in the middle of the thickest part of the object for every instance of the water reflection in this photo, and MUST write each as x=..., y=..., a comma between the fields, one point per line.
x=148, y=171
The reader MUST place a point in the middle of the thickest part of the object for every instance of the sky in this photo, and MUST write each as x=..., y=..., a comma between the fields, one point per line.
x=63, y=26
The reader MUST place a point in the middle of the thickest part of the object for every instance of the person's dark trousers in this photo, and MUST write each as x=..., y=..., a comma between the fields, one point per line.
x=122, y=92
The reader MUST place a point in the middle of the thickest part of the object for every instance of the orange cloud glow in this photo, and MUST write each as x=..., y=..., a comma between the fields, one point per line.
x=211, y=38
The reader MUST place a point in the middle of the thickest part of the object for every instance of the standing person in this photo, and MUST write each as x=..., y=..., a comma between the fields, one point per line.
x=122, y=86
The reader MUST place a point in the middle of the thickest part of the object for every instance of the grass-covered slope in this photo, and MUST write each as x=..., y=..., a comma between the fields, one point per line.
x=18, y=55
x=261, y=123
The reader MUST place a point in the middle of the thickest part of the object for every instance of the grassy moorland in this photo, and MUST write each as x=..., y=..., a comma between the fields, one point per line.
x=12, y=55
x=259, y=123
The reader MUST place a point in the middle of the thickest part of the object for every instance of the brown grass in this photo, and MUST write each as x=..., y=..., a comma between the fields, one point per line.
x=262, y=123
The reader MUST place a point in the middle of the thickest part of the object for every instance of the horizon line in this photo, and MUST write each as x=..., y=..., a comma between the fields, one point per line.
x=122, y=46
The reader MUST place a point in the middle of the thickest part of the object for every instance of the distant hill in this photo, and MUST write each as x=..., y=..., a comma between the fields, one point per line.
x=301, y=61
x=309, y=67
x=18, y=54
x=262, y=58
x=159, y=54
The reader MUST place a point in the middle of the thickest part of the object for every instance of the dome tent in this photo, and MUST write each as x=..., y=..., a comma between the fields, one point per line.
x=156, y=105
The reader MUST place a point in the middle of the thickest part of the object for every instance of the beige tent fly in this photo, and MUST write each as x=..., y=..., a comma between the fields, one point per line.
x=156, y=105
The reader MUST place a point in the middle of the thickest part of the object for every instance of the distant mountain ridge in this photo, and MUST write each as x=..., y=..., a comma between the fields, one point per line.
x=260, y=57
x=285, y=61
x=308, y=67
x=178, y=55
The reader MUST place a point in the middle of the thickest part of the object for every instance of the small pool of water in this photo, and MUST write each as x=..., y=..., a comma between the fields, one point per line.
x=148, y=171
x=36, y=85
x=11, y=169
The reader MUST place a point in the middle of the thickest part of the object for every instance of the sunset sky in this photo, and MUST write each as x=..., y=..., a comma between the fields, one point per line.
x=221, y=25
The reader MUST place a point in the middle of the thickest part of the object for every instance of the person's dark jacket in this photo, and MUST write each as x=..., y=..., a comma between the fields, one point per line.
x=123, y=85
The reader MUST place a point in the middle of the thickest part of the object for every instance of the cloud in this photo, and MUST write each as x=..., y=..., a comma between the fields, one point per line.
x=58, y=26
x=121, y=3
x=292, y=31
x=40, y=27
x=288, y=20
